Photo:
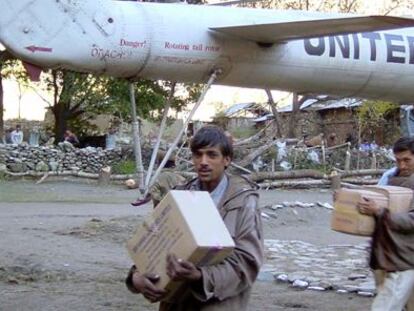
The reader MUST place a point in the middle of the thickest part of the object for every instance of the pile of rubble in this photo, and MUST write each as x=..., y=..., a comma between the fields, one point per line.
x=303, y=265
x=343, y=268
x=271, y=210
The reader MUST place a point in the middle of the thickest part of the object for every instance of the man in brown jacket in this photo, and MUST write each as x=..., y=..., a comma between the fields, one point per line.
x=392, y=253
x=225, y=286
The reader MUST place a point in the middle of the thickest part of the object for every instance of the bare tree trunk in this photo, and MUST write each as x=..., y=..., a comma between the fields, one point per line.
x=253, y=138
x=4, y=56
x=137, y=138
x=260, y=176
x=60, y=121
x=362, y=181
x=274, y=112
x=295, y=184
x=104, y=177
x=294, y=115
x=247, y=160
x=59, y=110
x=366, y=172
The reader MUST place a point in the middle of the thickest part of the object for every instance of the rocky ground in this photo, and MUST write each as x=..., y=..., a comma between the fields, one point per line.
x=63, y=248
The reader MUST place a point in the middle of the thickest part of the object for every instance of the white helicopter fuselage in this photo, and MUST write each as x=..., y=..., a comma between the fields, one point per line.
x=175, y=42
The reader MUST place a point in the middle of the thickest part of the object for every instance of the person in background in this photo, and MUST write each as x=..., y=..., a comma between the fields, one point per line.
x=70, y=137
x=331, y=140
x=373, y=146
x=350, y=138
x=34, y=136
x=110, y=139
x=392, y=249
x=7, y=136
x=17, y=135
x=365, y=146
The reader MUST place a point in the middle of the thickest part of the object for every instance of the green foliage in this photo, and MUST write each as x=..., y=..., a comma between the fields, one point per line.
x=10, y=68
x=220, y=119
x=308, y=5
x=376, y=109
x=78, y=97
x=124, y=167
x=374, y=113
x=150, y=96
x=300, y=160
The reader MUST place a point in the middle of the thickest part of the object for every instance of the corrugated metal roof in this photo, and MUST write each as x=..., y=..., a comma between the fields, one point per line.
x=286, y=108
x=264, y=118
x=316, y=104
x=307, y=103
x=236, y=108
x=335, y=104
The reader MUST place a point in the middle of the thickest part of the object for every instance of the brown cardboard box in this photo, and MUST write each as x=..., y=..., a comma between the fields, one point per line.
x=186, y=223
x=346, y=217
x=399, y=198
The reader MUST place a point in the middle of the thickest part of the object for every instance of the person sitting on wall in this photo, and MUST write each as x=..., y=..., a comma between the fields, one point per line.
x=70, y=137
x=7, y=136
x=17, y=135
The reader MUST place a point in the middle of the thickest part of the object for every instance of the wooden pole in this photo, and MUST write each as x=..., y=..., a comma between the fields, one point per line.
x=335, y=180
x=160, y=133
x=137, y=138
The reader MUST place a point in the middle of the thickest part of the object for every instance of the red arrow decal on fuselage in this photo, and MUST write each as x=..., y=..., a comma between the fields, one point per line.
x=33, y=48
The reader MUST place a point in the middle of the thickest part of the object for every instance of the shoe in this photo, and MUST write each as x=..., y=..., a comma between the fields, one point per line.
x=139, y=202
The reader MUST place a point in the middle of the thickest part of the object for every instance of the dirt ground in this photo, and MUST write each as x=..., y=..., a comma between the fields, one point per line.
x=63, y=248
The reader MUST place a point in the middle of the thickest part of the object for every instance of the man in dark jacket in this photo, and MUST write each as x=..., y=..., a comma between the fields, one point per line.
x=227, y=285
x=392, y=253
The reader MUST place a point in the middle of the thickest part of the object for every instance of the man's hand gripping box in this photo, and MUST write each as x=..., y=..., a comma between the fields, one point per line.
x=186, y=223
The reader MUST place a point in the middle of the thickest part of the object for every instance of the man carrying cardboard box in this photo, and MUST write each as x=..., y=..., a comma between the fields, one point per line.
x=392, y=252
x=227, y=285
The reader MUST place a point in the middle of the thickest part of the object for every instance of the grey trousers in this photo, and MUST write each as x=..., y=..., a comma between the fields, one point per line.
x=394, y=291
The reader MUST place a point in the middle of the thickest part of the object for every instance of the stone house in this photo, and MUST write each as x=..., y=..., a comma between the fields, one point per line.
x=340, y=117
x=315, y=117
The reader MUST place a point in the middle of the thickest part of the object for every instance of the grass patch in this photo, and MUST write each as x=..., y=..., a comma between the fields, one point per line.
x=124, y=167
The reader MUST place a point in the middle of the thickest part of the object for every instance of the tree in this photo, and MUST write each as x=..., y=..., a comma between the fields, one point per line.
x=373, y=116
x=78, y=97
x=9, y=67
x=395, y=7
x=273, y=107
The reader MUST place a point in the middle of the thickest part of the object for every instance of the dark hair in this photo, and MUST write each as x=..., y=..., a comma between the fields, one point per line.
x=212, y=136
x=404, y=144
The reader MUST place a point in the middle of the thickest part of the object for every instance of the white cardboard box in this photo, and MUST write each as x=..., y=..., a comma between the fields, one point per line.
x=186, y=223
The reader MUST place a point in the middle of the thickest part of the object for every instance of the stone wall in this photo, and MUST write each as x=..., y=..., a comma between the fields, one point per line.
x=23, y=158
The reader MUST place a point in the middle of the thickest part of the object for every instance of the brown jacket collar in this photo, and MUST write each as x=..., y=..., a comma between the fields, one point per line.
x=237, y=190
